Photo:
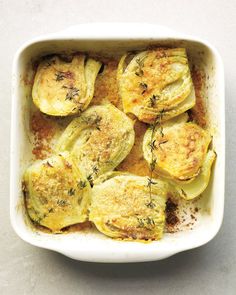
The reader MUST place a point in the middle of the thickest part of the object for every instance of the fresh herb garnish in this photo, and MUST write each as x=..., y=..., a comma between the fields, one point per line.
x=152, y=100
x=143, y=86
x=152, y=145
x=140, y=222
x=146, y=222
x=60, y=76
x=93, y=121
x=150, y=182
x=90, y=177
x=71, y=192
x=82, y=184
x=97, y=122
x=153, y=164
x=150, y=221
x=140, y=62
x=161, y=131
x=47, y=64
x=62, y=203
x=95, y=169
x=49, y=164
x=72, y=93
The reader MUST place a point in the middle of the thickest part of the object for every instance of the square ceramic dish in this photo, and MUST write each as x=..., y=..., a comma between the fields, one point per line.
x=111, y=39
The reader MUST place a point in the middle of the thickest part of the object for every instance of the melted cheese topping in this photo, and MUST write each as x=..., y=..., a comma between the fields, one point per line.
x=62, y=88
x=155, y=82
x=179, y=149
x=120, y=208
x=99, y=139
x=57, y=195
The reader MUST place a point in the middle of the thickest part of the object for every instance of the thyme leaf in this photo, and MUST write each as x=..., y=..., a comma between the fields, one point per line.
x=62, y=203
x=153, y=163
x=139, y=71
x=90, y=179
x=140, y=222
x=72, y=93
x=151, y=204
x=82, y=184
x=150, y=182
x=161, y=131
x=49, y=164
x=60, y=76
x=152, y=145
x=71, y=191
x=95, y=169
x=152, y=100
x=145, y=222
x=143, y=86
x=93, y=121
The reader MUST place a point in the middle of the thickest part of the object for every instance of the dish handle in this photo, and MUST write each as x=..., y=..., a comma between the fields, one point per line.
x=118, y=30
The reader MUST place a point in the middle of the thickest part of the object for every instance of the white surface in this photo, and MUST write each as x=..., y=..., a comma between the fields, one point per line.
x=81, y=246
x=210, y=269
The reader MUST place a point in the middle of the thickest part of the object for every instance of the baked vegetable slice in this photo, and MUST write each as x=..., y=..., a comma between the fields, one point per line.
x=56, y=193
x=156, y=82
x=98, y=140
x=194, y=189
x=64, y=88
x=178, y=150
x=122, y=207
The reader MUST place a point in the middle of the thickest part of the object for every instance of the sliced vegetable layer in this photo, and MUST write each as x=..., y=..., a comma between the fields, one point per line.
x=156, y=83
x=122, y=206
x=178, y=150
x=57, y=194
x=64, y=88
x=98, y=140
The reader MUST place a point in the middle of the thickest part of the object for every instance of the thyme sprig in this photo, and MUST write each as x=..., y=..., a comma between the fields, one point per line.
x=151, y=204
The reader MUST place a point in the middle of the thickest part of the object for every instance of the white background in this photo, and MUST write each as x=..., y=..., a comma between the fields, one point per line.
x=210, y=269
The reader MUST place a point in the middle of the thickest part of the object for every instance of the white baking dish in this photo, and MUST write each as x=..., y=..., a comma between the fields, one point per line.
x=111, y=38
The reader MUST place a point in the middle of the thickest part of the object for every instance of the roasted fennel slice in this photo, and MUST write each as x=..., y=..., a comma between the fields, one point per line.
x=64, y=88
x=178, y=150
x=98, y=140
x=122, y=206
x=156, y=83
x=56, y=193
x=194, y=189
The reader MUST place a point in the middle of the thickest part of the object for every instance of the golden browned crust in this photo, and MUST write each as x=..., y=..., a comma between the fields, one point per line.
x=57, y=194
x=177, y=148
